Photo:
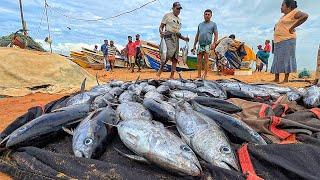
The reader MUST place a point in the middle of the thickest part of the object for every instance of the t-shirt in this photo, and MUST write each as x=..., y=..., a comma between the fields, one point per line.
x=131, y=49
x=172, y=22
x=267, y=48
x=112, y=50
x=206, y=30
x=281, y=32
x=104, y=49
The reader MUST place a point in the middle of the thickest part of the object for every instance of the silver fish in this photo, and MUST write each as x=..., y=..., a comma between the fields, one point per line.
x=133, y=110
x=183, y=94
x=148, y=88
x=312, y=97
x=185, y=51
x=91, y=135
x=116, y=91
x=163, y=89
x=163, y=50
x=206, y=138
x=157, y=145
x=102, y=101
x=46, y=124
x=160, y=110
x=154, y=95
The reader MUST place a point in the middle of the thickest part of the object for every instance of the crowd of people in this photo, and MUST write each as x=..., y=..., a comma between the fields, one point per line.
x=228, y=52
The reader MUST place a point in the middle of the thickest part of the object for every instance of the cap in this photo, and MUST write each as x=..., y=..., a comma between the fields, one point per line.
x=176, y=4
x=129, y=36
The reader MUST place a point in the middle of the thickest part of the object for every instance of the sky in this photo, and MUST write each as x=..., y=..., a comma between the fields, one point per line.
x=252, y=21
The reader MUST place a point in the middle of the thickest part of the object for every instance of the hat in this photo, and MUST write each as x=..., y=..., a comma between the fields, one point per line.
x=176, y=4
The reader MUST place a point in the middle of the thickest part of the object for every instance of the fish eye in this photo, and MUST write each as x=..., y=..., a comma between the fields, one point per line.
x=88, y=141
x=144, y=113
x=170, y=113
x=23, y=128
x=185, y=148
x=225, y=149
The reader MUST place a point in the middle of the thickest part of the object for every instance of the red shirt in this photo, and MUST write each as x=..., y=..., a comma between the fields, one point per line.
x=267, y=48
x=131, y=49
x=137, y=42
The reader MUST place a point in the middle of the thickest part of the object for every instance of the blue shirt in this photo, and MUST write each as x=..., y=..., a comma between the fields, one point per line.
x=206, y=30
x=104, y=49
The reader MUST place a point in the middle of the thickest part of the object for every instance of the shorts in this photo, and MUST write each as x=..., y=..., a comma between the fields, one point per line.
x=111, y=58
x=132, y=60
x=172, y=42
x=202, y=49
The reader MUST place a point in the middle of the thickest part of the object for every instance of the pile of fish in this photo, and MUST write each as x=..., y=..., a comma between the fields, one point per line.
x=143, y=112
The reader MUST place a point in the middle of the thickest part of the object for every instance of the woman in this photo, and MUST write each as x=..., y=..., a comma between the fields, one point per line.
x=264, y=54
x=285, y=40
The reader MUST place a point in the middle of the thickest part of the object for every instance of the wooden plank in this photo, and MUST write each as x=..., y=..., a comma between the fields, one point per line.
x=318, y=65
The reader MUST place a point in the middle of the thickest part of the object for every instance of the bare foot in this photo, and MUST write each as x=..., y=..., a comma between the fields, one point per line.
x=276, y=81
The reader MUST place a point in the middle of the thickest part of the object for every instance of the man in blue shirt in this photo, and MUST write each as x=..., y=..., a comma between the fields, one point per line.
x=104, y=49
x=204, y=35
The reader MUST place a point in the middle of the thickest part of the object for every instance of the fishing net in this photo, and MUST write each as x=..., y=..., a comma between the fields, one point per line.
x=27, y=40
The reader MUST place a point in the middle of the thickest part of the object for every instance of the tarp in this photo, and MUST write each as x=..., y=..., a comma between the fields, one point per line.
x=24, y=71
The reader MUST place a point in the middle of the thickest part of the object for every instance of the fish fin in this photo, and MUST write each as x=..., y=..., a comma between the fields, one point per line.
x=69, y=131
x=138, y=78
x=133, y=157
x=114, y=125
x=83, y=85
x=4, y=140
x=74, y=122
x=97, y=78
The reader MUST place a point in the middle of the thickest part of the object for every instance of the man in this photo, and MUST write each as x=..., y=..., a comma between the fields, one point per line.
x=95, y=48
x=112, y=51
x=104, y=49
x=204, y=35
x=172, y=25
x=131, y=53
x=138, y=52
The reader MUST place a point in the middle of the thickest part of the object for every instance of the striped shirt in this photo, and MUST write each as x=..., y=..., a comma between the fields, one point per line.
x=112, y=50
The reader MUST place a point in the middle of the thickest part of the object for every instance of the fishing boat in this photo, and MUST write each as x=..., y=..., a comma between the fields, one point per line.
x=97, y=57
x=80, y=59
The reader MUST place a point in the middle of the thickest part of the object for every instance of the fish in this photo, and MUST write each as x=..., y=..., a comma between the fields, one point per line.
x=101, y=88
x=102, y=101
x=128, y=96
x=312, y=97
x=296, y=95
x=154, y=95
x=148, y=88
x=163, y=89
x=206, y=138
x=219, y=104
x=46, y=125
x=173, y=84
x=163, y=50
x=185, y=52
x=275, y=88
x=91, y=136
x=133, y=110
x=219, y=91
x=116, y=91
x=160, y=110
x=183, y=94
x=115, y=83
x=230, y=124
x=153, y=143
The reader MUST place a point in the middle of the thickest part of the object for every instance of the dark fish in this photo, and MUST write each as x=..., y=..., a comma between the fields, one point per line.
x=47, y=124
x=218, y=104
x=160, y=110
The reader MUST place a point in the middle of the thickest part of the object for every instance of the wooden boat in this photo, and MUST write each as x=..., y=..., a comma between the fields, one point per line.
x=97, y=57
x=80, y=59
x=151, y=55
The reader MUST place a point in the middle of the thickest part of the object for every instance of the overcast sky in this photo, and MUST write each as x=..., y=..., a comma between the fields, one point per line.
x=252, y=21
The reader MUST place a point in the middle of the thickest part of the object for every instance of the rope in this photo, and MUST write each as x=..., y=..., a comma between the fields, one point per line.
x=100, y=19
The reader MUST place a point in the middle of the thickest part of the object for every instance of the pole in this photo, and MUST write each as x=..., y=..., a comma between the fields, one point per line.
x=46, y=7
x=318, y=68
x=22, y=19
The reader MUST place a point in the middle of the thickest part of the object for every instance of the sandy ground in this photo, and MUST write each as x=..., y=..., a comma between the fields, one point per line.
x=13, y=107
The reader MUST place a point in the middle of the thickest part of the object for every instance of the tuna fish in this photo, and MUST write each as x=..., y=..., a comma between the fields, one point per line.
x=183, y=94
x=234, y=126
x=163, y=50
x=102, y=101
x=157, y=145
x=206, y=138
x=185, y=52
x=91, y=136
x=312, y=97
x=46, y=125
x=133, y=110
x=219, y=104
x=160, y=110
x=154, y=95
